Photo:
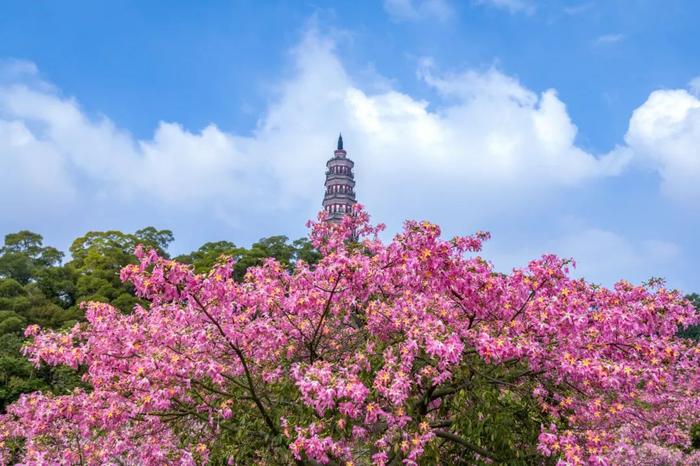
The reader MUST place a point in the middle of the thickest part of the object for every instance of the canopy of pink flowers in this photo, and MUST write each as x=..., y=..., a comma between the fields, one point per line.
x=369, y=340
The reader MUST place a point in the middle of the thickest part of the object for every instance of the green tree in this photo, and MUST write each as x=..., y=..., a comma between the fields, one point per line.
x=23, y=256
x=273, y=246
x=277, y=247
x=204, y=258
x=304, y=250
x=20, y=306
x=17, y=375
x=99, y=256
x=159, y=240
x=58, y=285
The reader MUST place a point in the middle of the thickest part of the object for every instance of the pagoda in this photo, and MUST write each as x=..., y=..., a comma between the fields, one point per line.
x=340, y=184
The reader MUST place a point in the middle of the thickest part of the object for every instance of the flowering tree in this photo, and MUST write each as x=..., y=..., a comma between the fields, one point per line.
x=412, y=351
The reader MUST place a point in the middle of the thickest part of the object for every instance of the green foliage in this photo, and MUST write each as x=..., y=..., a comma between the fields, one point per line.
x=24, y=255
x=11, y=323
x=17, y=375
x=274, y=246
x=20, y=306
x=98, y=257
x=497, y=417
x=695, y=436
x=278, y=247
x=58, y=285
x=10, y=288
x=693, y=331
x=204, y=258
x=305, y=251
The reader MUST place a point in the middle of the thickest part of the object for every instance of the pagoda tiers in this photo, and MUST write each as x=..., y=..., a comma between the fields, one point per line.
x=340, y=184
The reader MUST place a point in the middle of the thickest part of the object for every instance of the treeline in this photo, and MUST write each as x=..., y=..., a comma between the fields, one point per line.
x=38, y=287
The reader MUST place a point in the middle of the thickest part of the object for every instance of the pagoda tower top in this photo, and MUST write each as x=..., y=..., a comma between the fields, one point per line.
x=339, y=195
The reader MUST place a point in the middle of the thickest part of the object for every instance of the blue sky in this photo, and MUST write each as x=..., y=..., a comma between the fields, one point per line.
x=571, y=127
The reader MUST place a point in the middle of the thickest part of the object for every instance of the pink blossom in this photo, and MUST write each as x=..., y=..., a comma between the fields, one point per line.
x=364, y=354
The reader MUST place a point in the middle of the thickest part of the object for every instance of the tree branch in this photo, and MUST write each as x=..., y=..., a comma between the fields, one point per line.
x=251, y=386
x=449, y=436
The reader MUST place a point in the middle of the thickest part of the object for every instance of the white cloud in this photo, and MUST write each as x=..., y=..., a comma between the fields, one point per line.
x=600, y=255
x=33, y=173
x=490, y=133
x=412, y=10
x=488, y=148
x=609, y=256
x=664, y=133
x=512, y=6
x=694, y=86
x=608, y=39
x=14, y=69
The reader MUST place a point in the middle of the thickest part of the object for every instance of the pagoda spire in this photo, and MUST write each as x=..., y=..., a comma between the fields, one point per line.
x=339, y=197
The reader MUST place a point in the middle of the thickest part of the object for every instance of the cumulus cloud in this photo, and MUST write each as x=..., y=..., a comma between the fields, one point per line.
x=487, y=134
x=489, y=131
x=412, y=10
x=664, y=133
x=69, y=153
x=485, y=147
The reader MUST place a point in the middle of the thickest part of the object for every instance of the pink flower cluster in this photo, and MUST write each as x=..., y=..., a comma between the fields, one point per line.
x=359, y=358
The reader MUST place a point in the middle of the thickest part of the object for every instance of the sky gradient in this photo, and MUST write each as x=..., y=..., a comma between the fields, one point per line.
x=567, y=127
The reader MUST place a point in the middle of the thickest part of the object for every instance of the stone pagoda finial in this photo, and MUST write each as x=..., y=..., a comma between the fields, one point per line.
x=340, y=184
